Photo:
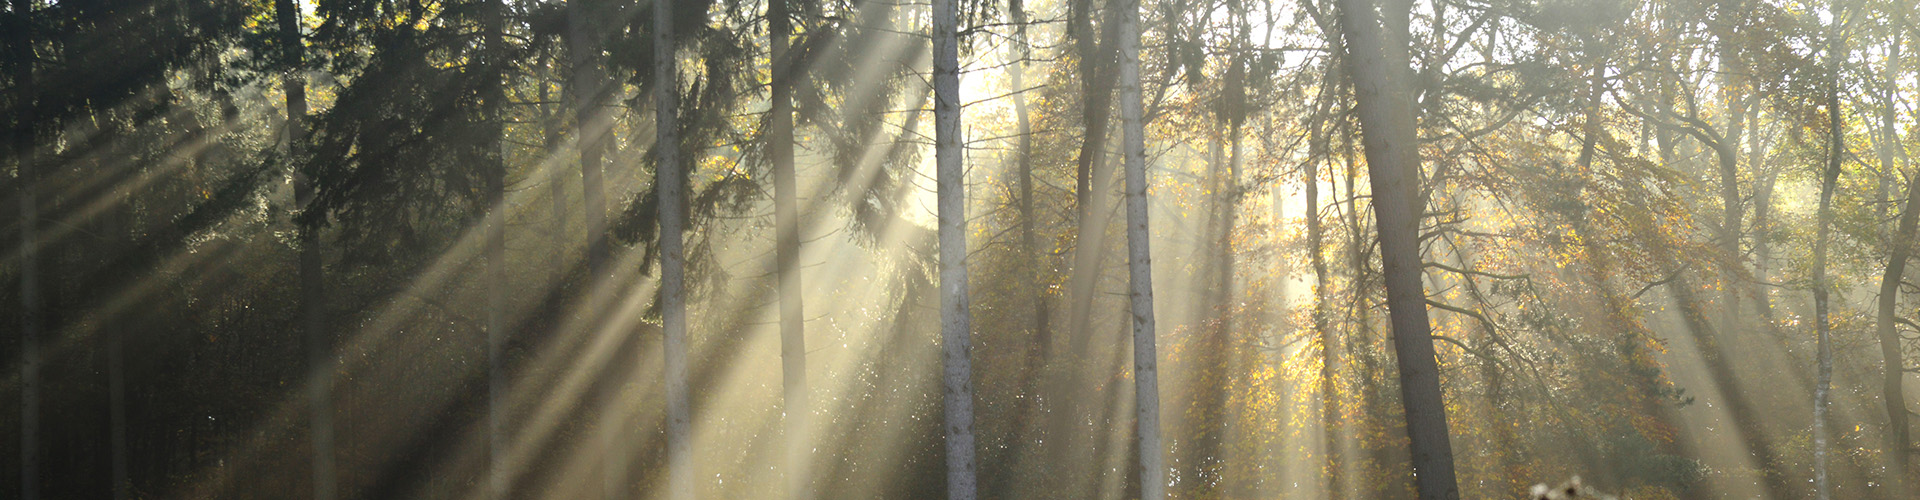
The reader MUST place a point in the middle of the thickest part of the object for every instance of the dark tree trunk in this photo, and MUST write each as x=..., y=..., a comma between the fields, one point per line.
x=591, y=123
x=671, y=182
x=32, y=313
x=1378, y=60
x=319, y=344
x=1899, y=443
x=495, y=219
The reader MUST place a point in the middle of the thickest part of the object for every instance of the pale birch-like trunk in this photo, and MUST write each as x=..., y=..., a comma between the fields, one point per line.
x=1823, y=377
x=1146, y=372
x=955, y=319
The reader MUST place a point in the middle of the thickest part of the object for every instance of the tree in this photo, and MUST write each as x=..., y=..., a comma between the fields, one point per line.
x=588, y=91
x=670, y=179
x=956, y=322
x=494, y=219
x=1893, y=364
x=793, y=338
x=319, y=347
x=1376, y=35
x=1146, y=374
x=22, y=148
x=1836, y=147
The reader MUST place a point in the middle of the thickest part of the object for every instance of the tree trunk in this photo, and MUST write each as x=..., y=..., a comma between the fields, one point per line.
x=319, y=346
x=591, y=123
x=793, y=340
x=1898, y=447
x=1146, y=374
x=1323, y=332
x=1091, y=179
x=1762, y=220
x=588, y=93
x=31, y=313
x=1892, y=370
x=494, y=100
x=1378, y=60
x=1023, y=129
x=955, y=319
x=556, y=190
x=1823, y=378
x=117, y=408
x=1035, y=269
x=671, y=182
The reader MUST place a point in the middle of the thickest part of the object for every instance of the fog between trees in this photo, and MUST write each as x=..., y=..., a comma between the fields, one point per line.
x=1030, y=249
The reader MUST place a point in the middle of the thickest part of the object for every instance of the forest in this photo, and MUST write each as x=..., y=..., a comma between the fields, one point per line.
x=890, y=249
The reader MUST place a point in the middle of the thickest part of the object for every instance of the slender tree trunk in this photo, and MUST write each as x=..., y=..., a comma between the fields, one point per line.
x=1023, y=128
x=1762, y=220
x=1323, y=332
x=117, y=409
x=589, y=89
x=1733, y=207
x=1898, y=442
x=494, y=99
x=1096, y=57
x=556, y=189
x=671, y=182
x=319, y=346
x=955, y=320
x=1146, y=374
x=1823, y=379
x=31, y=312
x=592, y=123
x=1036, y=271
x=1378, y=60
x=1898, y=447
x=793, y=343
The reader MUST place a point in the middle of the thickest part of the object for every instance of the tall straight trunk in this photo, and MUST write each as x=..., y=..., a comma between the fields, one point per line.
x=793, y=340
x=1206, y=407
x=556, y=190
x=1035, y=268
x=1023, y=129
x=1733, y=208
x=117, y=408
x=319, y=346
x=1146, y=372
x=1762, y=219
x=114, y=328
x=494, y=99
x=671, y=182
x=1323, y=332
x=1823, y=378
x=591, y=122
x=1899, y=447
x=1092, y=179
x=1378, y=60
x=31, y=314
x=956, y=322
x=1898, y=443
x=1229, y=206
